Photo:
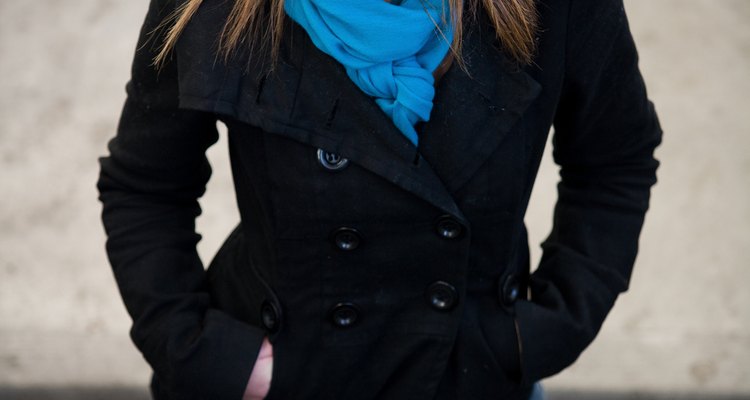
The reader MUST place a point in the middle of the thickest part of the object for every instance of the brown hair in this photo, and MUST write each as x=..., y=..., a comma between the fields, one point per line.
x=514, y=21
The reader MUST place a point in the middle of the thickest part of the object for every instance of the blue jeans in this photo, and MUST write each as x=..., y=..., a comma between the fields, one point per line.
x=537, y=393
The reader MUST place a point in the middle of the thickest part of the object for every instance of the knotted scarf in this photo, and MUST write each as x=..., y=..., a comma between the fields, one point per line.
x=388, y=50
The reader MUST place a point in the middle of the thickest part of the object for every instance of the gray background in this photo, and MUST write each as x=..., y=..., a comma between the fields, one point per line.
x=683, y=328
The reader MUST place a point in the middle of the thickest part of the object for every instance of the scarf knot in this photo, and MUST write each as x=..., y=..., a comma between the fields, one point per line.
x=389, y=51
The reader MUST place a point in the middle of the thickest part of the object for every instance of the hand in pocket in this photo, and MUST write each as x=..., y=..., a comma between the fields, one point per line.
x=260, y=378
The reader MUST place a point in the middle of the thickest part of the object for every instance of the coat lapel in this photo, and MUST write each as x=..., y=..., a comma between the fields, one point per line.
x=473, y=113
x=330, y=103
x=309, y=98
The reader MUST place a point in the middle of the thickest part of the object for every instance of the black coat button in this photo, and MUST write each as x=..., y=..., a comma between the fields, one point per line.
x=509, y=289
x=346, y=239
x=269, y=316
x=331, y=161
x=448, y=228
x=442, y=296
x=344, y=315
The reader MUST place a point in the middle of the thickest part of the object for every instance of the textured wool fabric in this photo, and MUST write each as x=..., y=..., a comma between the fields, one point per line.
x=388, y=50
x=200, y=329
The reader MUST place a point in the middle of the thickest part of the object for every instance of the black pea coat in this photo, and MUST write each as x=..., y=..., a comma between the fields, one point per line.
x=379, y=270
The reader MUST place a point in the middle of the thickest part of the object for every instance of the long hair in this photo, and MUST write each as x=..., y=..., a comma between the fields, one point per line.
x=514, y=21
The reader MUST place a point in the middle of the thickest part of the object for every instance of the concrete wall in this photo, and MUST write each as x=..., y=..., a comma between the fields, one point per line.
x=683, y=327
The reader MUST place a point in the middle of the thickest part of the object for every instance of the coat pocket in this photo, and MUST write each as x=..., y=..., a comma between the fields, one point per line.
x=488, y=350
x=237, y=287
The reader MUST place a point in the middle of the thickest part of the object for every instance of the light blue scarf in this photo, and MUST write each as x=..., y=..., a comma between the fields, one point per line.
x=388, y=50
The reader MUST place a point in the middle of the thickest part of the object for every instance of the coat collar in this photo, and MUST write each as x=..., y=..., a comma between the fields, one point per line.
x=473, y=113
x=309, y=98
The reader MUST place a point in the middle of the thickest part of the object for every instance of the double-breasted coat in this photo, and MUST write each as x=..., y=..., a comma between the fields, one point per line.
x=378, y=270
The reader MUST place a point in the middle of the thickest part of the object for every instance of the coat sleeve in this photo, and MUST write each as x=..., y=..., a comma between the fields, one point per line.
x=149, y=186
x=605, y=134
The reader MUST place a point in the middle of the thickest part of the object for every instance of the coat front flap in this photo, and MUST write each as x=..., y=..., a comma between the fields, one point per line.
x=310, y=98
